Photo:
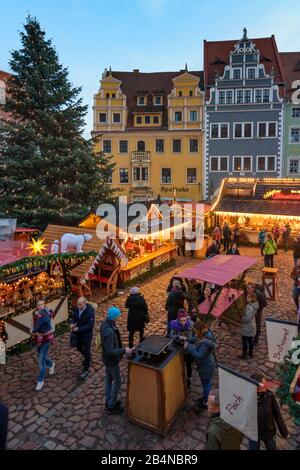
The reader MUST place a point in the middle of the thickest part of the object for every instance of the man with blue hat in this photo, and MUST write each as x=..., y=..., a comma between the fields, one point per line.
x=112, y=353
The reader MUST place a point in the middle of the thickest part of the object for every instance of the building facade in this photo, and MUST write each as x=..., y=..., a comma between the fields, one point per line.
x=151, y=124
x=244, y=114
x=291, y=146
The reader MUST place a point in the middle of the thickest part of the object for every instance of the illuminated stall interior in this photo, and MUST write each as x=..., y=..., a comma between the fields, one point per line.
x=254, y=204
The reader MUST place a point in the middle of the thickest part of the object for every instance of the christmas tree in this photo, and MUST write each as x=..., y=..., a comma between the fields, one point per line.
x=49, y=173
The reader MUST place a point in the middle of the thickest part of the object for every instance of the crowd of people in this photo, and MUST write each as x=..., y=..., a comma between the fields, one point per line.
x=197, y=340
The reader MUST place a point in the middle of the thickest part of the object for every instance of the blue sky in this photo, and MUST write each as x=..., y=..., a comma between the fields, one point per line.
x=152, y=35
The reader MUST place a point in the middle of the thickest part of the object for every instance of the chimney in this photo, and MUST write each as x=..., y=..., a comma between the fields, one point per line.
x=136, y=70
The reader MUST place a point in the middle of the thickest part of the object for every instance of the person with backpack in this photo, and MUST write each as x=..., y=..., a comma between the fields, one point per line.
x=137, y=314
x=112, y=353
x=258, y=290
x=249, y=326
x=262, y=237
x=269, y=250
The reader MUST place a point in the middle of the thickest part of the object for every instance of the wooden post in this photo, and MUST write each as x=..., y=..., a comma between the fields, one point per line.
x=270, y=282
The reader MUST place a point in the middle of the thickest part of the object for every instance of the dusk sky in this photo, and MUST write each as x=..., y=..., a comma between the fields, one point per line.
x=151, y=35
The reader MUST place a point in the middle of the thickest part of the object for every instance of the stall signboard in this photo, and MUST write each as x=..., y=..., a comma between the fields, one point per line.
x=280, y=335
x=289, y=194
x=238, y=401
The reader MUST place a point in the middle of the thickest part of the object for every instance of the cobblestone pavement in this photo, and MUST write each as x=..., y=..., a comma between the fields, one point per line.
x=67, y=414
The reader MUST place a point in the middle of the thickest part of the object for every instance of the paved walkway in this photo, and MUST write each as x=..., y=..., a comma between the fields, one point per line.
x=70, y=415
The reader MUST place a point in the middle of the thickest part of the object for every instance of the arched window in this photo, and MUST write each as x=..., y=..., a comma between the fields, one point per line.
x=141, y=146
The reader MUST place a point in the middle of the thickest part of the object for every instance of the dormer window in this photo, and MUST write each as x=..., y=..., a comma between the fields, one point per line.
x=157, y=100
x=180, y=93
x=141, y=100
x=236, y=74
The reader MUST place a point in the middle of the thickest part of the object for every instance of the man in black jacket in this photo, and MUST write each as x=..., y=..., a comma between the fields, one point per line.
x=175, y=301
x=82, y=326
x=3, y=425
x=112, y=353
x=268, y=416
x=137, y=314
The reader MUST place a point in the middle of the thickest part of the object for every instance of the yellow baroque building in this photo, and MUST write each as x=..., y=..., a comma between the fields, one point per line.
x=152, y=126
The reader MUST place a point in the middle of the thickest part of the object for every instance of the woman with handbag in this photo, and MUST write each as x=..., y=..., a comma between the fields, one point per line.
x=269, y=250
x=137, y=314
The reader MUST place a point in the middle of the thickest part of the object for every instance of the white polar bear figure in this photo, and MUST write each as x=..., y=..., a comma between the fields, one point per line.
x=70, y=242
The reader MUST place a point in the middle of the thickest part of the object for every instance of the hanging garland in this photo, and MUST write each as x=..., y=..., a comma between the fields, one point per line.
x=288, y=372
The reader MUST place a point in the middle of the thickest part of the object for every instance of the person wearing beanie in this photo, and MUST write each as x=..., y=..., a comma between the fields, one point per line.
x=137, y=314
x=112, y=353
x=182, y=330
x=82, y=327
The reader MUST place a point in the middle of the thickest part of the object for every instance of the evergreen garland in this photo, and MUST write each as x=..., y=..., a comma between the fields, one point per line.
x=286, y=374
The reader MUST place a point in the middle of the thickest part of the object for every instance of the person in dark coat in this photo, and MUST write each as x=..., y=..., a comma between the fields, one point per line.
x=256, y=289
x=296, y=250
x=233, y=250
x=3, y=425
x=268, y=415
x=226, y=236
x=137, y=314
x=212, y=250
x=203, y=351
x=174, y=278
x=286, y=237
x=174, y=302
x=82, y=326
x=112, y=353
x=220, y=435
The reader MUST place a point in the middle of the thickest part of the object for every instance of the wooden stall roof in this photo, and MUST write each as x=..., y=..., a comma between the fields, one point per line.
x=55, y=232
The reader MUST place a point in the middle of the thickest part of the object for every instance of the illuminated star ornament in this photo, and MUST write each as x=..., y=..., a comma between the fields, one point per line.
x=37, y=246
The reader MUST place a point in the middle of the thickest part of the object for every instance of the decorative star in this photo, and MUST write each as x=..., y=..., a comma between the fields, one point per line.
x=37, y=246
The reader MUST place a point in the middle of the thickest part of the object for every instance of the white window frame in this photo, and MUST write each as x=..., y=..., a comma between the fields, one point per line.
x=120, y=175
x=191, y=168
x=102, y=122
x=267, y=127
x=262, y=95
x=107, y=140
x=161, y=100
x=141, y=168
x=178, y=111
x=243, y=90
x=290, y=133
x=232, y=95
x=181, y=146
x=295, y=117
x=243, y=130
x=165, y=168
x=289, y=160
x=255, y=73
x=219, y=124
x=221, y=91
x=113, y=118
x=138, y=100
x=236, y=68
x=266, y=159
x=242, y=157
x=193, y=111
x=219, y=163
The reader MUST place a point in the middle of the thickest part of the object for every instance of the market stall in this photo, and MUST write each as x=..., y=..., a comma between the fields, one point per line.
x=149, y=244
x=26, y=278
x=225, y=274
x=254, y=204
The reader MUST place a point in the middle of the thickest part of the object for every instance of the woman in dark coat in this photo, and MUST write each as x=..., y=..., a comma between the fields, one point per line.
x=137, y=314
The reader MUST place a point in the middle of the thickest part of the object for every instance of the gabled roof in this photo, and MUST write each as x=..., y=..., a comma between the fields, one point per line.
x=217, y=55
x=4, y=76
x=150, y=83
x=291, y=67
